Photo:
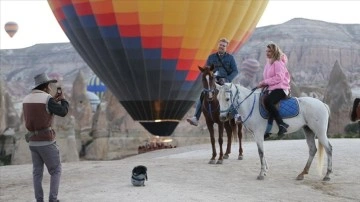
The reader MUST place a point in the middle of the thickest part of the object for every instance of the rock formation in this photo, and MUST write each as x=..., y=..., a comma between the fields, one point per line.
x=2, y=109
x=312, y=48
x=249, y=75
x=80, y=106
x=114, y=134
x=338, y=97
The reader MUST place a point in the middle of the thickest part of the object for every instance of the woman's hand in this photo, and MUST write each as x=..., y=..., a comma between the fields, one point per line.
x=261, y=85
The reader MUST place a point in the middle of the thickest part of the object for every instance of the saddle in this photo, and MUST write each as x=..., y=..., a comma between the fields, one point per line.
x=288, y=107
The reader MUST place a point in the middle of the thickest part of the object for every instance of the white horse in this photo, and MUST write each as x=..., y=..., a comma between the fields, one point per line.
x=313, y=117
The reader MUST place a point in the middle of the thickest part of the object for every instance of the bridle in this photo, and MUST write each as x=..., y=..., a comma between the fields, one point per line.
x=235, y=104
x=211, y=90
x=210, y=96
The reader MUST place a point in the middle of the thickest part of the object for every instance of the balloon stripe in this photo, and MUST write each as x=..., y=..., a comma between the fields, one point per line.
x=107, y=19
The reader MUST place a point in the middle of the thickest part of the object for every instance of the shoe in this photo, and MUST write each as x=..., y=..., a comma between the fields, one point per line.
x=193, y=121
x=237, y=118
x=282, y=129
x=267, y=136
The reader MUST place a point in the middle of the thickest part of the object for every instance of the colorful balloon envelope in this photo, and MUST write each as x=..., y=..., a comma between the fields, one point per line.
x=11, y=28
x=147, y=52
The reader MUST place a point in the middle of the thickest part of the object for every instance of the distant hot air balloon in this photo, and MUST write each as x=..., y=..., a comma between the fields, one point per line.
x=147, y=52
x=94, y=100
x=11, y=28
x=96, y=86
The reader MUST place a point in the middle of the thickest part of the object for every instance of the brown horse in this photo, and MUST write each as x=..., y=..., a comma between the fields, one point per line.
x=355, y=112
x=211, y=111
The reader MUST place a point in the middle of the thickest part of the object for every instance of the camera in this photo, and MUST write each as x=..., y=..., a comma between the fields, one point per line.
x=59, y=91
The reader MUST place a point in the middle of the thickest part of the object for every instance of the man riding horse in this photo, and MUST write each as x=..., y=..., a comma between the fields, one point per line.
x=225, y=71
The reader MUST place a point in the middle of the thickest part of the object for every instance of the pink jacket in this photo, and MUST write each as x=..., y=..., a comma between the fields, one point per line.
x=276, y=76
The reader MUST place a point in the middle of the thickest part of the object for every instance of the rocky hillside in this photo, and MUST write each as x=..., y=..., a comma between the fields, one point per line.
x=312, y=48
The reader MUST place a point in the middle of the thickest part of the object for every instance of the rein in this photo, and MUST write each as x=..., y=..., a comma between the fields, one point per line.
x=236, y=107
x=210, y=111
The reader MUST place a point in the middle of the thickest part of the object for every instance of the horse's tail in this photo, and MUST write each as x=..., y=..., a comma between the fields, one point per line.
x=329, y=113
x=320, y=158
x=353, y=115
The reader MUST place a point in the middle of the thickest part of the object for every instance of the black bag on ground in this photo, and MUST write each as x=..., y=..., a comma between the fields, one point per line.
x=139, y=175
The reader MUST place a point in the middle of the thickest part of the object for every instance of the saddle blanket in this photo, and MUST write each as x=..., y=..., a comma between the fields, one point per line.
x=288, y=108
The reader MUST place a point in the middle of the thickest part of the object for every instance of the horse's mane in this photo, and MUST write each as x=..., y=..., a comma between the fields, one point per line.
x=241, y=88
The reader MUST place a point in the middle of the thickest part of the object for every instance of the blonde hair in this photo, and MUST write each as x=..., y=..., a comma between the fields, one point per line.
x=225, y=40
x=277, y=53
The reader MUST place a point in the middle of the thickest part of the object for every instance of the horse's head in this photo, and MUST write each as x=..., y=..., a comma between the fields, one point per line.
x=225, y=97
x=208, y=81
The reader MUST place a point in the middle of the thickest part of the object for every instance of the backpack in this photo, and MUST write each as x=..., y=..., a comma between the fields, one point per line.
x=139, y=175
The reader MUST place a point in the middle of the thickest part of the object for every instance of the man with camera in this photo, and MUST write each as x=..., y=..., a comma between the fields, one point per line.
x=39, y=108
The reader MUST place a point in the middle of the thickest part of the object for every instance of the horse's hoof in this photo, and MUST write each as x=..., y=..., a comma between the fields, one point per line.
x=300, y=177
x=240, y=157
x=226, y=156
x=212, y=162
x=326, y=179
x=260, y=177
x=219, y=162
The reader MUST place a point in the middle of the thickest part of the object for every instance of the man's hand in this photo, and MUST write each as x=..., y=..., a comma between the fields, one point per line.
x=59, y=97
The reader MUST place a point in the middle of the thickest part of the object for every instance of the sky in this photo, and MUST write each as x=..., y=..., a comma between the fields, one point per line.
x=37, y=24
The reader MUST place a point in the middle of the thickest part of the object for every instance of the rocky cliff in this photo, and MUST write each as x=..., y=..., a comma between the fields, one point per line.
x=312, y=48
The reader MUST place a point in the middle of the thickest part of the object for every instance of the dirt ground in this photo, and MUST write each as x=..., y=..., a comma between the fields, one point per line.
x=183, y=174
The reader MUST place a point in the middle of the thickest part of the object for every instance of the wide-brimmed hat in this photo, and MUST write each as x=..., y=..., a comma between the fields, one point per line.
x=43, y=78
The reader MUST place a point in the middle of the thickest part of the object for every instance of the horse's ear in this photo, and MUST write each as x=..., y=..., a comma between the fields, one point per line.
x=201, y=69
x=217, y=86
x=212, y=67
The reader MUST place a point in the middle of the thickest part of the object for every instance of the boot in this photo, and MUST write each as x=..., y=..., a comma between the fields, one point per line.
x=267, y=136
x=282, y=129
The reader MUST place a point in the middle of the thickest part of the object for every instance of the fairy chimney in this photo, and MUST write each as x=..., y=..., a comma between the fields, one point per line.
x=2, y=109
x=12, y=118
x=80, y=104
x=249, y=70
x=338, y=97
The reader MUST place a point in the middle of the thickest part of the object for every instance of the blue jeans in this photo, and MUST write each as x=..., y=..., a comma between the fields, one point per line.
x=48, y=155
x=198, y=106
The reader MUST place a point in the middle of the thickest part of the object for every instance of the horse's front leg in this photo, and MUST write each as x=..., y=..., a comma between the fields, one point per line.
x=229, y=128
x=221, y=132
x=239, y=132
x=212, y=140
x=260, y=145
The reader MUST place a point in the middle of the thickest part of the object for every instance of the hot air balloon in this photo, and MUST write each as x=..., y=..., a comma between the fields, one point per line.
x=147, y=52
x=93, y=99
x=11, y=28
x=96, y=86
